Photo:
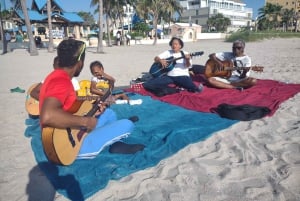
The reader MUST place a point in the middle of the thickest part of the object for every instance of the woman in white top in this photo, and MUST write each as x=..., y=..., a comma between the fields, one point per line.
x=179, y=75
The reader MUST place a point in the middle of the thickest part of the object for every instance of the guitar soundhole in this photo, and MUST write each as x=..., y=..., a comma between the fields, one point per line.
x=71, y=139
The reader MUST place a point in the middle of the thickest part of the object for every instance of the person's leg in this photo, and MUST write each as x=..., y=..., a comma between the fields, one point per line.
x=158, y=85
x=220, y=83
x=107, y=117
x=187, y=83
x=158, y=82
x=109, y=134
x=245, y=83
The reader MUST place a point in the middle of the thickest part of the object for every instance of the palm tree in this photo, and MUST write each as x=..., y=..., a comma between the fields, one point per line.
x=287, y=18
x=108, y=9
x=22, y=4
x=157, y=9
x=219, y=21
x=108, y=5
x=171, y=8
x=269, y=16
x=3, y=15
x=100, y=24
x=100, y=35
x=50, y=46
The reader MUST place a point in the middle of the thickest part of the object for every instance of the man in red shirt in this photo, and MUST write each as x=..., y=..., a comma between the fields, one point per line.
x=57, y=97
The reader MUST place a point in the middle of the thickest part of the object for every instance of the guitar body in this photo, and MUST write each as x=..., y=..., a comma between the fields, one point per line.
x=31, y=104
x=156, y=70
x=212, y=69
x=61, y=146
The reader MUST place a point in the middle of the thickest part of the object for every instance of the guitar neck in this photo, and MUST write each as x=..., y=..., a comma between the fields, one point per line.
x=89, y=98
x=237, y=68
x=191, y=54
x=96, y=107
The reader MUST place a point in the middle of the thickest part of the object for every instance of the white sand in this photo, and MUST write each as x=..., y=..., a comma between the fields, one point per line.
x=255, y=160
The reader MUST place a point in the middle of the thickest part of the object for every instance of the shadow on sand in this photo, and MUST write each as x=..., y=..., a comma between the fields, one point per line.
x=40, y=188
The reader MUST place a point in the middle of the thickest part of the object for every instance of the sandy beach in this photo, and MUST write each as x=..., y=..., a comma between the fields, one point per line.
x=250, y=161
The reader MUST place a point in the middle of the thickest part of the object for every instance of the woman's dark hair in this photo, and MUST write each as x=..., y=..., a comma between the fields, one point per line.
x=69, y=52
x=95, y=63
x=175, y=38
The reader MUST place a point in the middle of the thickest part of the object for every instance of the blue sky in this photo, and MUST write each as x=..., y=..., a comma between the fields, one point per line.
x=84, y=5
x=255, y=5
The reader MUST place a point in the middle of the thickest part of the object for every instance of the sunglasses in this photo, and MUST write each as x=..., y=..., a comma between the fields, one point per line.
x=237, y=47
x=82, y=48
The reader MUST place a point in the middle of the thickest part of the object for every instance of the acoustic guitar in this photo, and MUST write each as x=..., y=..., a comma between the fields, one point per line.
x=62, y=146
x=32, y=105
x=156, y=69
x=213, y=69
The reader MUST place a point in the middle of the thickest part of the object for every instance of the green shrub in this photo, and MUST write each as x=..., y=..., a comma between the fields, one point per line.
x=249, y=36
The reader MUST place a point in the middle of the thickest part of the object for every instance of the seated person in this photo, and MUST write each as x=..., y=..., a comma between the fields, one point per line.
x=179, y=75
x=58, y=96
x=239, y=79
x=99, y=81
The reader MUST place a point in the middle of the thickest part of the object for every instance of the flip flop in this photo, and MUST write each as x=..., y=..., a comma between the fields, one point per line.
x=17, y=89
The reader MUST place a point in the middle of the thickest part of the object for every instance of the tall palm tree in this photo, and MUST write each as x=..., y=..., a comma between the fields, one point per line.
x=49, y=13
x=157, y=9
x=100, y=35
x=219, y=21
x=32, y=47
x=100, y=24
x=269, y=16
x=287, y=18
x=108, y=5
x=3, y=15
x=171, y=8
x=108, y=9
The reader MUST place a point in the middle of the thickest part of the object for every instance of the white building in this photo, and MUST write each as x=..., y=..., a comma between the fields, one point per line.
x=198, y=12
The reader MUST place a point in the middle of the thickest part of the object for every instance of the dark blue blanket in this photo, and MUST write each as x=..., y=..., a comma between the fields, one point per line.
x=163, y=128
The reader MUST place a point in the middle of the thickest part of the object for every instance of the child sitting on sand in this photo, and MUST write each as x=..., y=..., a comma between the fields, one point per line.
x=101, y=81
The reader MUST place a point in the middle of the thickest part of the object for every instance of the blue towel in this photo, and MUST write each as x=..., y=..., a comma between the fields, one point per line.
x=163, y=128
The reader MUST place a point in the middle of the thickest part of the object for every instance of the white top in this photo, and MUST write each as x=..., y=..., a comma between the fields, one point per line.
x=74, y=82
x=179, y=69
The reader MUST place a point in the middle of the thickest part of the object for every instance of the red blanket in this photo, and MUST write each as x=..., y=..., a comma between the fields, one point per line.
x=267, y=93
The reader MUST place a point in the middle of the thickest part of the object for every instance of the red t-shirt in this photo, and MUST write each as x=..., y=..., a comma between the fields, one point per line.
x=58, y=85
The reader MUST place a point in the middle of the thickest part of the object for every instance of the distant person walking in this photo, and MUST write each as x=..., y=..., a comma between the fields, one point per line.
x=128, y=38
x=7, y=38
x=118, y=36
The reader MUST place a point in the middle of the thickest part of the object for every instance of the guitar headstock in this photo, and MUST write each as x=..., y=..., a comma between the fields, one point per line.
x=257, y=68
x=194, y=54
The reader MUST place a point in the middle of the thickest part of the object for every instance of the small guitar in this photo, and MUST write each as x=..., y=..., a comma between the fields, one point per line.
x=62, y=146
x=156, y=70
x=212, y=69
x=32, y=105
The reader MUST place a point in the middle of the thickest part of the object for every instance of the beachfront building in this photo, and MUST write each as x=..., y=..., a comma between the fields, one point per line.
x=64, y=23
x=198, y=12
x=288, y=4
x=186, y=31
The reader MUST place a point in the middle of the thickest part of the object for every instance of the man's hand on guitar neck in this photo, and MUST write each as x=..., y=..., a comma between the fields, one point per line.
x=91, y=122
